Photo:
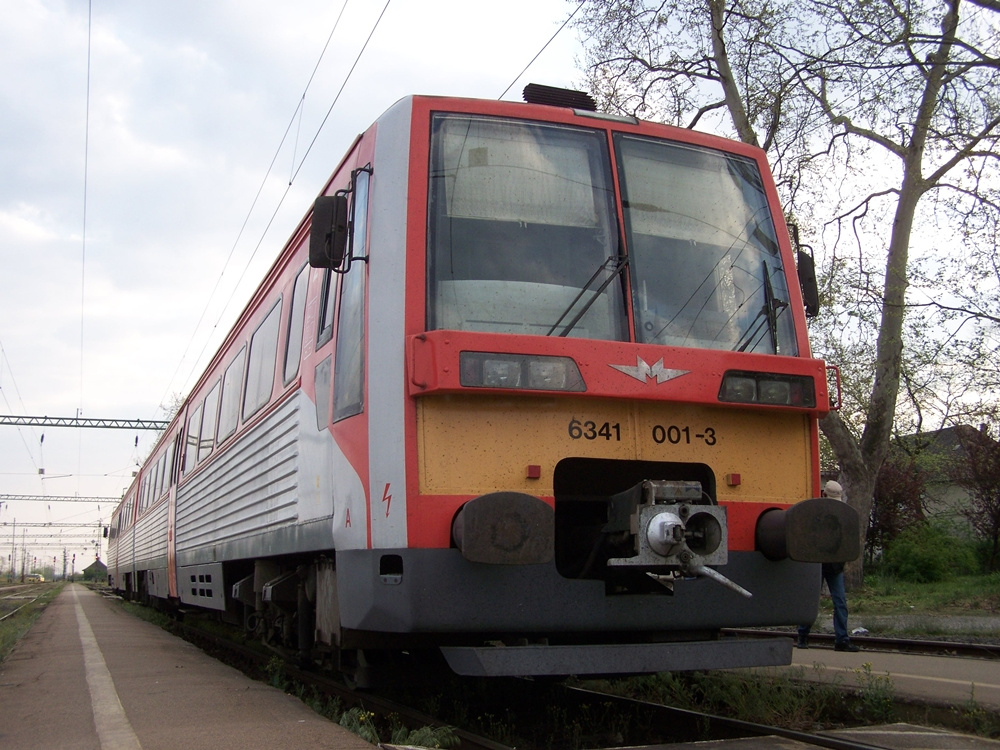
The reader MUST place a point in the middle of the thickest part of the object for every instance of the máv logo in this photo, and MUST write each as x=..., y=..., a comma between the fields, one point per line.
x=642, y=372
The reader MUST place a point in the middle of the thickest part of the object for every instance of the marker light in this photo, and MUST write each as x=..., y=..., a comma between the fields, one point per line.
x=766, y=388
x=525, y=371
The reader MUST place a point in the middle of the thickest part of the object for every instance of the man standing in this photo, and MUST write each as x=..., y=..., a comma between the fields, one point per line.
x=833, y=574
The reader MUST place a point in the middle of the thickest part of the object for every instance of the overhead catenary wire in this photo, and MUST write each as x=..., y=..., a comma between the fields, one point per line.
x=295, y=174
x=544, y=47
x=17, y=393
x=297, y=113
x=246, y=220
x=83, y=239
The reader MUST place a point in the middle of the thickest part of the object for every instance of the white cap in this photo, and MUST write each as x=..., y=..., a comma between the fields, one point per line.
x=834, y=490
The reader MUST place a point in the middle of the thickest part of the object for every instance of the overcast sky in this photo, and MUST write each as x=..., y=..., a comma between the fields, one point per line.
x=114, y=239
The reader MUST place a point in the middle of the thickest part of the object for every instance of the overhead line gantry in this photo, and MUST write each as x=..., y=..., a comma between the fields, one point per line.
x=117, y=424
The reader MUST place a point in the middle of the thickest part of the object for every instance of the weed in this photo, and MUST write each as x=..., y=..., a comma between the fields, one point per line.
x=359, y=721
x=972, y=717
x=435, y=737
x=275, y=670
x=875, y=696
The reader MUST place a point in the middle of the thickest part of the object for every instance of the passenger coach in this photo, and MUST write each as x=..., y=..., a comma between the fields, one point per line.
x=530, y=387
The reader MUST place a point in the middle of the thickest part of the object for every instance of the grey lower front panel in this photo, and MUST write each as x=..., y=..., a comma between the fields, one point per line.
x=437, y=591
x=607, y=659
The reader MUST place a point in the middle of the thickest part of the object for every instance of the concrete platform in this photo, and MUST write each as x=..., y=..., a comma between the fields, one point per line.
x=88, y=676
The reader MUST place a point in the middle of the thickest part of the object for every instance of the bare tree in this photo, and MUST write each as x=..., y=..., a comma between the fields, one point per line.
x=867, y=110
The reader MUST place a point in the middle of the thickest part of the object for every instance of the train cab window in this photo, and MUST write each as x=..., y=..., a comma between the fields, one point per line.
x=704, y=259
x=296, y=319
x=263, y=358
x=232, y=384
x=193, y=433
x=522, y=231
x=207, y=442
x=348, y=369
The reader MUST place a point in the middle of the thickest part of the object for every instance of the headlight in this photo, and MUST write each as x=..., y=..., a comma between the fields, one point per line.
x=767, y=388
x=526, y=371
x=501, y=373
x=740, y=389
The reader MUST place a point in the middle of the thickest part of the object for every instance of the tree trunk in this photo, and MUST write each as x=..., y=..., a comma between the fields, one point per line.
x=860, y=460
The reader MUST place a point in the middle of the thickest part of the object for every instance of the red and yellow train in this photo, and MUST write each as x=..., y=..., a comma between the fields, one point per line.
x=529, y=387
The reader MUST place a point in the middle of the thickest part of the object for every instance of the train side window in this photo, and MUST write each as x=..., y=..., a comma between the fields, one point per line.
x=296, y=320
x=158, y=482
x=194, y=429
x=165, y=475
x=211, y=411
x=232, y=383
x=326, y=302
x=349, y=365
x=263, y=357
x=175, y=457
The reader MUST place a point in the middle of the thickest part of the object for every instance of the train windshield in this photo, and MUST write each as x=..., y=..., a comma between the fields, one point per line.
x=523, y=238
x=704, y=257
x=522, y=230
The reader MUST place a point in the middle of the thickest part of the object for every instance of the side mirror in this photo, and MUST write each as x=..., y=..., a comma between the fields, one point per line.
x=105, y=532
x=807, y=272
x=328, y=235
x=807, y=282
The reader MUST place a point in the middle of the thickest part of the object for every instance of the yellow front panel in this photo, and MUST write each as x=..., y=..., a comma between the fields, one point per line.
x=471, y=445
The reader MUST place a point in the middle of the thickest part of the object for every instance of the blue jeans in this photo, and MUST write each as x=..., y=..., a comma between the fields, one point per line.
x=833, y=574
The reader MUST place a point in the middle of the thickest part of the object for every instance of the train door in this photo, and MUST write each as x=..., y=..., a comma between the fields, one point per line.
x=348, y=417
x=172, y=514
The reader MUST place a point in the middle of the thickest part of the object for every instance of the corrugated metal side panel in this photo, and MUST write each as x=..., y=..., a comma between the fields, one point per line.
x=124, y=550
x=151, y=536
x=248, y=489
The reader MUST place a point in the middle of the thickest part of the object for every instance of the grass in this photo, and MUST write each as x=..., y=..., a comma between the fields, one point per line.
x=960, y=607
x=14, y=627
x=765, y=697
x=369, y=726
x=963, y=595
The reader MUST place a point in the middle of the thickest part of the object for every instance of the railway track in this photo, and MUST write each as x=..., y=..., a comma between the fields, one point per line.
x=535, y=708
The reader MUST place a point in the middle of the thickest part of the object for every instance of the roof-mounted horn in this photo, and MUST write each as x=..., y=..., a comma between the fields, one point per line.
x=535, y=93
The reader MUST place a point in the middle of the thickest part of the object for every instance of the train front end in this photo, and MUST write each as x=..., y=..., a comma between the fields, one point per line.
x=609, y=419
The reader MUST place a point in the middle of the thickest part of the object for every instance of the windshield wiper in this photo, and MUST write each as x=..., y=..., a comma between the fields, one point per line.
x=615, y=266
x=768, y=315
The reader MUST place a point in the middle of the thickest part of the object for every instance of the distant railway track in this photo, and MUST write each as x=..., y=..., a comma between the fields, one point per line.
x=15, y=597
x=880, y=643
